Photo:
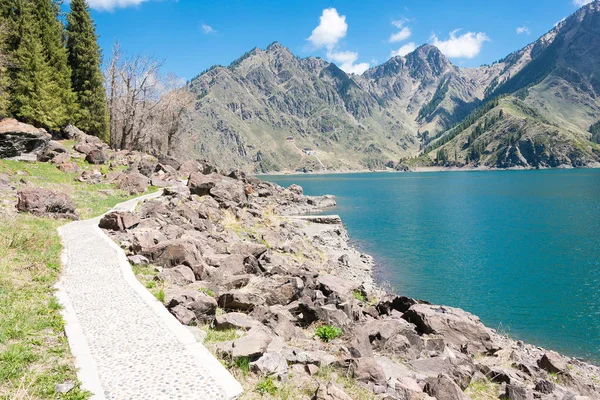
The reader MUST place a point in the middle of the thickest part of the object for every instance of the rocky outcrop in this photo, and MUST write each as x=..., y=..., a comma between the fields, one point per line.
x=17, y=138
x=230, y=254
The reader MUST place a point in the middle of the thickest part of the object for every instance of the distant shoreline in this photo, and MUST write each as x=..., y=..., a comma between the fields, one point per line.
x=419, y=170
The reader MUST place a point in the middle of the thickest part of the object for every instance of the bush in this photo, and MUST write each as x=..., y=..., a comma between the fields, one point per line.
x=327, y=333
x=358, y=295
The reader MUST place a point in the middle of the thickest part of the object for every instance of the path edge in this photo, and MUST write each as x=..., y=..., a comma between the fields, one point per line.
x=86, y=367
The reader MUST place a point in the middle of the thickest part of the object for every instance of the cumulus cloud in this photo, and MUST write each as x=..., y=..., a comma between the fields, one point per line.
x=331, y=29
x=404, y=50
x=523, y=29
x=207, y=29
x=346, y=61
x=110, y=5
x=467, y=45
x=403, y=34
x=581, y=3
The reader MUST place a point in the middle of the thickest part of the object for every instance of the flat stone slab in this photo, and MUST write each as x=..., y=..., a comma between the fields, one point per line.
x=125, y=343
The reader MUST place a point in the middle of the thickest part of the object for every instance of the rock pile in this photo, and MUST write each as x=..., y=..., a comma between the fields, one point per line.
x=230, y=254
x=17, y=139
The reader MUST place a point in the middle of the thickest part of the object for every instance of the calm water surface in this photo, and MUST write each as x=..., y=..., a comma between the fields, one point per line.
x=521, y=249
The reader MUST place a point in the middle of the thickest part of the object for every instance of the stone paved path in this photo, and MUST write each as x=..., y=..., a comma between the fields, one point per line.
x=126, y=344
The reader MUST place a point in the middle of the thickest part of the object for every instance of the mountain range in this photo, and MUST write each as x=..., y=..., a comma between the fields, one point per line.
x=272, y=111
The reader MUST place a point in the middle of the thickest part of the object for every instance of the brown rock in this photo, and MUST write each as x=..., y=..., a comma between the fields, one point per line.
x=253, y=345
x=367, y=370
x=68, y=167
x=96, y=157
x=132, y=182
x=179, y=275
x=44, y=202
x=119, y=221
x=201, y=184
x=237, y=300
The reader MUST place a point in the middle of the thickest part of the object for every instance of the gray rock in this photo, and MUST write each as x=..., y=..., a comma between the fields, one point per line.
x=545, y=387
x=132, y=182
x=517, y=392
x=237, y=300
x=271, y=364
x=64, y=387
x=444, y=388
x=178, y=275
x=553, y=362
x=17, y=138
x=253, y=345
x=234, y=320
x=330, y=391
x=453, y=324
x=138, y=260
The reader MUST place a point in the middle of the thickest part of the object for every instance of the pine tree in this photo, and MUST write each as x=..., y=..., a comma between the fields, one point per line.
x=55, y=52
x=35, y=95
x=4, y=78
x=84, y=59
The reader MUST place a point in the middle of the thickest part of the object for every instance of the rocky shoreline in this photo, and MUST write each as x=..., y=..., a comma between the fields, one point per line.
x=236, y=254
x=283, y=298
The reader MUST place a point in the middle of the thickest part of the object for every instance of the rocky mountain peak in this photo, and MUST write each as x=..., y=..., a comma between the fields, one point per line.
x=427, y=59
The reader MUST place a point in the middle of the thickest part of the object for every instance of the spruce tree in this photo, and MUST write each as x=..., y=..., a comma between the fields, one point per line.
x=55, y=52
x=87, y=81
x=35, y=95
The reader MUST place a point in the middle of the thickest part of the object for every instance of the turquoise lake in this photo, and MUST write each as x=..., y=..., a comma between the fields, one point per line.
x=520, y=249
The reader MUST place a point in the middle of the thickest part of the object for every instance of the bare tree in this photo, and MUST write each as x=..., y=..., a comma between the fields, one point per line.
x=145, y=106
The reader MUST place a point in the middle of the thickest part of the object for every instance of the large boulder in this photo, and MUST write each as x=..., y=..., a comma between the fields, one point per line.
x=72, y=132
x=201, y=184
x=17, y=138
x=553, y=362
x=253, y=345
x=235, y=320
x=188, y=167
x=44, y=202
x=456, y=326
x=271, y=364
x=239, y=300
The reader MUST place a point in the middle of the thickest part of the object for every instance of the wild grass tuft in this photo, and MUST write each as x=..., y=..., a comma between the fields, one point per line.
x=328, y=332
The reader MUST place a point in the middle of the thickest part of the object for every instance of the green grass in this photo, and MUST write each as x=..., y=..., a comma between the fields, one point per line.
x=34, y=352
x=214, y=336
x=328, y=332
x=243, y=364
x=358, y=295
x=160, y=295
x=207, y=292
x=267, y=386
x=482, y=390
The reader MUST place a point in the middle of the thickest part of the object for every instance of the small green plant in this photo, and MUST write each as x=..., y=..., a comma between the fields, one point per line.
x=160, y=295
x=207, y=292
x=328, y=332
x=358, y=295
x=243, y=364
x=150, y=284
x=266, y=386
x=214, y=336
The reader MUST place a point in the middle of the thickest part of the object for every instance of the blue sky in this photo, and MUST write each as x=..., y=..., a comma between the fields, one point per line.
x=192, y=35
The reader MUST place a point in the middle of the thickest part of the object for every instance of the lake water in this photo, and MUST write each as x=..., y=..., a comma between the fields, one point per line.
x=520, y=249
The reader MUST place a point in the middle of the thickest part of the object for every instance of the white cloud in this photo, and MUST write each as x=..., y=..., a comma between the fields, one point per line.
x=404, y=50
x=467, y=45
x=346, y=61
x=523, y=29
x=331, y=29
x=207, y=29
x=110, y=5
x=401, y=35
x=581, y=3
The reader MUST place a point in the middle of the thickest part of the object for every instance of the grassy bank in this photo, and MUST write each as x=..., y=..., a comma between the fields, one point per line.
x=34, y=353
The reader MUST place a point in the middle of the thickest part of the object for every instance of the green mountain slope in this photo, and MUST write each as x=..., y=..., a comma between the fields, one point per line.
x=272, y=111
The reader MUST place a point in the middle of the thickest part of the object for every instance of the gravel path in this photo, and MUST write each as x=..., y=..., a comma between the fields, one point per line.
x=125, y=343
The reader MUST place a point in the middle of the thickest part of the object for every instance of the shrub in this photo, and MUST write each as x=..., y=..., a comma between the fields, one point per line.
x=327, y=333
x=243, y=363
x=160, y=295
